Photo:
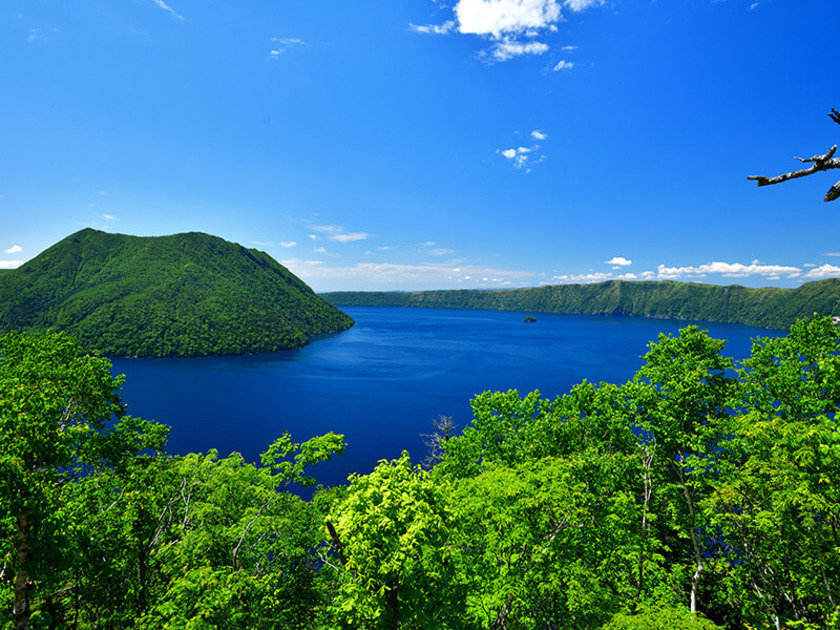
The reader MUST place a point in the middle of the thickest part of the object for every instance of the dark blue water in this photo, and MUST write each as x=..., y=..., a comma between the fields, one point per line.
x=382, y=382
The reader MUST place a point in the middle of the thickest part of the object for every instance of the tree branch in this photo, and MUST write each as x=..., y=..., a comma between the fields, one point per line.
x=822, y=162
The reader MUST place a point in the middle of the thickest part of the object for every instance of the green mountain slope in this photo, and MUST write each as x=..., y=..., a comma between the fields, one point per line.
x=768, y=307
x=181, y=295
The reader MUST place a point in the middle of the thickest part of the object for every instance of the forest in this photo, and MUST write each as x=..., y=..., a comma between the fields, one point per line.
x=700, y=494
x=180, y=295
x=767, y=307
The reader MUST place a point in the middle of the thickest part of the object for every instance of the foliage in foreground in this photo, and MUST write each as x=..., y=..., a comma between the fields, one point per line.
x=701, y=494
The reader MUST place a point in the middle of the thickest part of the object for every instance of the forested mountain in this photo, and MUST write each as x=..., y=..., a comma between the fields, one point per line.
x=767, y=307
x=181, y=295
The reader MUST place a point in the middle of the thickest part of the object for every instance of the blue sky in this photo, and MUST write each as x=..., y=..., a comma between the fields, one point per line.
x=430, y=144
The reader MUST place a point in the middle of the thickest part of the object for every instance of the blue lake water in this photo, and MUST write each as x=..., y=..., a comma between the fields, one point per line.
x=382, y=382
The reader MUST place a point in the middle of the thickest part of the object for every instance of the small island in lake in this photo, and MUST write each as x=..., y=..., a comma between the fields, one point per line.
x=530, y=319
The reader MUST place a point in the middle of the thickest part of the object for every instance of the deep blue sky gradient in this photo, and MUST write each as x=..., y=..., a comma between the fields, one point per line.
x=423, y=144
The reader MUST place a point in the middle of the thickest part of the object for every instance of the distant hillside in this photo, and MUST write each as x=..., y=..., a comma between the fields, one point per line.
x=769, y=308
x=181, y=295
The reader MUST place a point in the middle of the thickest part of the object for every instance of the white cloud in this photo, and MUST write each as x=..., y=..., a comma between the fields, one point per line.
x=433, y=29
x=287, y=244
x=14, y=249
x=729, y=270
x=619, y=261
x=563, y=65
x=166, y=7
x=511, y=26
x=498, y=17
x=823, y=271
x=108, y=217
x=688, y=273
x=525, y=157
x=10, y=264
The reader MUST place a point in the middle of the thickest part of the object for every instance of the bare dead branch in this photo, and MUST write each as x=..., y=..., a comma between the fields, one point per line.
x=820, y=158
x=823, y=162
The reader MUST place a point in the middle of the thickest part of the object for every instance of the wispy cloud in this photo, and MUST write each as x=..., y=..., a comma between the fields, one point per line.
x=705, y=271
x=280, y=45
x=168, y=9
x=14, y=249
x=407, y=276
x=509, y=48
x=580, y=5
x=336, y=233
x=287, y=244
x=563, y=65
x=433, y=29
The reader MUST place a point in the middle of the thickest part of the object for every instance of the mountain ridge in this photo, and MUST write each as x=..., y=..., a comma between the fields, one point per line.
x=765, y=307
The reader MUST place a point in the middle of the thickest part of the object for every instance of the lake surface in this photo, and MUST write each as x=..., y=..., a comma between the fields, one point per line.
x=382, y=382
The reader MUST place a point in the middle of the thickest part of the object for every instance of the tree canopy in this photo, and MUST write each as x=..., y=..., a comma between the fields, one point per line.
x=700, y=494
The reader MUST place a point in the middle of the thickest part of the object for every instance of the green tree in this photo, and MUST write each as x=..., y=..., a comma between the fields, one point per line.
x=777, y=501
x=391, y=537
x=681, y=394
x=57, y=408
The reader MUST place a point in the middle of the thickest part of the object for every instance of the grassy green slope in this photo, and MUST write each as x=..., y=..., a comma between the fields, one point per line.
x=768, y=307
x=181, y=295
